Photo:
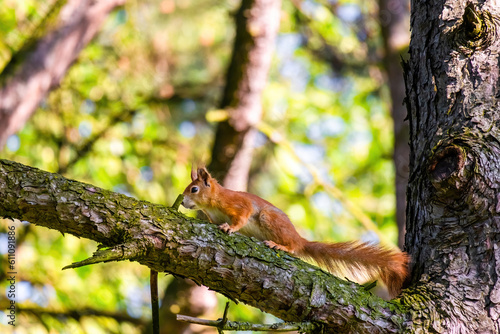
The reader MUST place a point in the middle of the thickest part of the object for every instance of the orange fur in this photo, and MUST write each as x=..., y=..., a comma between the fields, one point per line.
x=255, y=217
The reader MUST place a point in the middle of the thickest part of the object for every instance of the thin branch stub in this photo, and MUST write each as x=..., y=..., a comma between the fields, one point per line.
x=223, y=321
x=116, y=253
x=246, y=326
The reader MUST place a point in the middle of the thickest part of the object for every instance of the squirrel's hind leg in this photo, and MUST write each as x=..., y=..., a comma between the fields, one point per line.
x=273, y=245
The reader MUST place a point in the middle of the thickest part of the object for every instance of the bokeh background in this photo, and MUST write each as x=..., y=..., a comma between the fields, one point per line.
x=140, y=105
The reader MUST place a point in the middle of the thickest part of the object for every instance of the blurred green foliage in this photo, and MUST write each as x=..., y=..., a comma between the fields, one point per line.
x=130, y=117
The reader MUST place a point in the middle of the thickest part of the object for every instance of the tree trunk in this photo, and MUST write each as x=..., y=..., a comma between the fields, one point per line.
x=394, y=23
x=257, y=23
x=44, y=68
x=453, y=225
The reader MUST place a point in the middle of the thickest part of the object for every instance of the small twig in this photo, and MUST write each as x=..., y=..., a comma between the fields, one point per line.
x=246, y=326
x=370, y=285
x=77, y=314
x=178, y=202
x=155, y=308
x=223, y=321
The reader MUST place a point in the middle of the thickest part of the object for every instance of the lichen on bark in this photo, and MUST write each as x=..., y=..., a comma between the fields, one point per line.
x=165, y=240
x=452, y=222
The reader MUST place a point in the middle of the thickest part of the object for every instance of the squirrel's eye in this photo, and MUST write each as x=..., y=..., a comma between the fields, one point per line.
x=194, y=189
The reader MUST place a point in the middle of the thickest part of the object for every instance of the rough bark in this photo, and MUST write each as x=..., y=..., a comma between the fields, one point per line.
x=165, y=240
x=395, y=23
x=45, y=67
x=257, y=23
x=453, y=223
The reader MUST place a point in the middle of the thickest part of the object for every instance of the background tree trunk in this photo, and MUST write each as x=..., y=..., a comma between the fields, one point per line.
x=394, y=21
x=43, y=68
x=257, y=23
x=453, y=225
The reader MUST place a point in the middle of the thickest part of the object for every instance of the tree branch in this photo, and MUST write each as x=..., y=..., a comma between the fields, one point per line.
x=165, y=240
x=86, y=312
x=304, y=327
x=45, y=67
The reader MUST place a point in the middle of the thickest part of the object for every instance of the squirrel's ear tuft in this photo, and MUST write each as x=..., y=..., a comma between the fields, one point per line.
x=194, y=175
x=204, y=175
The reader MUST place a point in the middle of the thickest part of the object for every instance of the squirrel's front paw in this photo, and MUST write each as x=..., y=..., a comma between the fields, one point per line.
x=226, y=228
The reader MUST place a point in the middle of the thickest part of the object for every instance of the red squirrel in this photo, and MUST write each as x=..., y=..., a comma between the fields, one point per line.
x=255, y=217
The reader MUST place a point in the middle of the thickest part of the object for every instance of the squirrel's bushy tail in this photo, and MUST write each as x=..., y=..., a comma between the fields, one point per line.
x=360, y=262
